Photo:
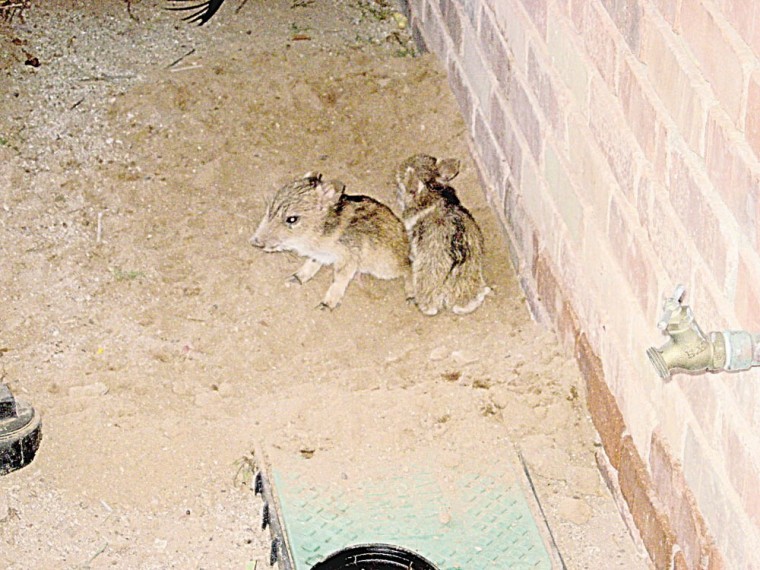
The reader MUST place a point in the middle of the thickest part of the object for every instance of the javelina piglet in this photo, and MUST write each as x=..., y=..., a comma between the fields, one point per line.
x=446, y=242
x=353, y=233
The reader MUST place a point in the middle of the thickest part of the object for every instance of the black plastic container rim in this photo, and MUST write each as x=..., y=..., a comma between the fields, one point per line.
x=375, y=557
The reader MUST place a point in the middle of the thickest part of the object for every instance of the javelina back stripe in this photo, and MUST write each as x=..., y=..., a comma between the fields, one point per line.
x=458, y=246
x=332, y=219
x=448, y=193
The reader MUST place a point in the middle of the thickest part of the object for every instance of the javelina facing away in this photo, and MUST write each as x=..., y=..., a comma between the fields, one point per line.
x=446, y=242
x=354, y=234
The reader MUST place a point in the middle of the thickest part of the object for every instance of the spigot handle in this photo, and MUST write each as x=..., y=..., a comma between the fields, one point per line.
x=671, y=305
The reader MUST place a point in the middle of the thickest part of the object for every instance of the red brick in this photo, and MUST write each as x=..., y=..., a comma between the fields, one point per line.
x=745, y=17
x=506, y=136
x=665, y=471
x=512, y=23
x=739, y=467
x=757, y=217
x=568, y=325
x=645, y=198
x=687, y=195
x=747, y=304
x=667, y=238
x=471, y=11
x=688, y=524
x=665, y=134
x=752, y=123
x=611, y=133
x=721, y=515
x=495, y=49
x=742, y=388
x=652, y=523
x=453, y=22
x=702, y=401
x=519, y=225
x=715, y=560
x=669, y=10
x=637, y=102
x=478, y=78
x=721, y=61
x=602, y=406
x=537, y=11
x=561, y=192
x=461, y=91
x=435, y=36
x=628, y=253
x=491, y=158
x=589, y=166
x=597, y=35
x=674, y=81
x=750, y=495
x=548, y=288
x=709, y=492
x=627, y=15
x=527, y=120
x=733, y=170
x=545, y=92
x=679, y=562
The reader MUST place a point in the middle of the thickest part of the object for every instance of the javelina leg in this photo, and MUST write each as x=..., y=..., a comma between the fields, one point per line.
x=307, y=271
x=426, y=294
x=409, y=286
x=473, y=304
x=341, y=278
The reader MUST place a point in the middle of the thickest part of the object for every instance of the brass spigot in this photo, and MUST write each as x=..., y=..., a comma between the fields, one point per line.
x=691, y=350
x=688, y=349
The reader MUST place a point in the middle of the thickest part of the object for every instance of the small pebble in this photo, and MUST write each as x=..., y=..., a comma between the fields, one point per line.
x=5, y=509
x=464, y=357
x=576, y=511
x=89, y=390
x=205, y=399
x=438, y=353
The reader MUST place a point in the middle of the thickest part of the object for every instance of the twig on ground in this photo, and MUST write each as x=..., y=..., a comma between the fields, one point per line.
x=176, y=61
x=106, y=77
x=100, y=551
x=187, y=67
x=129, y=11
x=100, y=228
x=11, y=8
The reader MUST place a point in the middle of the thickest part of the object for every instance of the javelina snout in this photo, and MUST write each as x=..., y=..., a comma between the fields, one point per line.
x=263, y=236
x=256, y=242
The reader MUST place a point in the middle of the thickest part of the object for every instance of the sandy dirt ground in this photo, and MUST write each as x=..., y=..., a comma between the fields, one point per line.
x=136, y=157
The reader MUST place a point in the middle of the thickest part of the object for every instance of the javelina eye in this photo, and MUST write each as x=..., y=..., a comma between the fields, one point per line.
x=292, y=220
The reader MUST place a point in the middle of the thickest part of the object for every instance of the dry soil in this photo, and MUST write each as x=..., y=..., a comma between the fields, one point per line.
x=136, y=156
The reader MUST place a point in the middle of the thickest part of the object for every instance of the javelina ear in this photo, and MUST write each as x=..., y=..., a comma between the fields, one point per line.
x=313, y=177
x=448, y=168
x=330, y=192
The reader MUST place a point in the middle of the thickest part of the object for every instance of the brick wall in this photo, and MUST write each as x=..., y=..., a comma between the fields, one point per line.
x=619, y=141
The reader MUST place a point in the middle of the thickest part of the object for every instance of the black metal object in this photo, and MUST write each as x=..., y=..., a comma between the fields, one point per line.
x=265, y=517
x=279, y=553
x=374, y=557
x=258, y=485
x=274, y=553
x=203, y=10
x=19, y=432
